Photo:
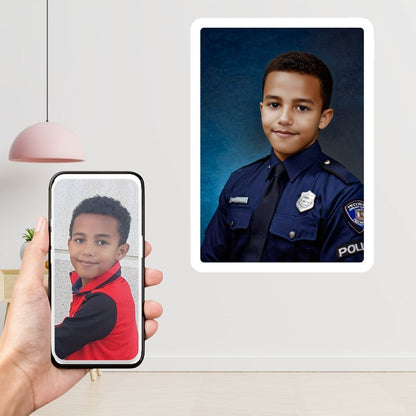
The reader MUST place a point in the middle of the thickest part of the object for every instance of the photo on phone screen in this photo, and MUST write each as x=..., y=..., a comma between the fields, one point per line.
x=96, y=266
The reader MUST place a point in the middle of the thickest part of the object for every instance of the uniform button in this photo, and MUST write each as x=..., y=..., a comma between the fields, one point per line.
x=327, y=162
x=292, y=235
x=268, y=167
x=232, y=223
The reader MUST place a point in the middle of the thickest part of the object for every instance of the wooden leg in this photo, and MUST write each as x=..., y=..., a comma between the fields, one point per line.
x=92, y=374
x=5, y=315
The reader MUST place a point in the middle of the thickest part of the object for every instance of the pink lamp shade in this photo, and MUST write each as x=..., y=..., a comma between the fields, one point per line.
x=46, y=142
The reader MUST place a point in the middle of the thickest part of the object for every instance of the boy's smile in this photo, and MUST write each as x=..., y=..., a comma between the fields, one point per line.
x=291, y=112
x=94, y=245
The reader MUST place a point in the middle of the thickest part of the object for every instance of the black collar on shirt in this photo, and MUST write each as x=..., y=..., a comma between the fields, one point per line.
x=77, y=286
x=300, y=161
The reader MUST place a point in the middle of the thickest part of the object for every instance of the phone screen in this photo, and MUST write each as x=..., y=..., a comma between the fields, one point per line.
x=96, y=269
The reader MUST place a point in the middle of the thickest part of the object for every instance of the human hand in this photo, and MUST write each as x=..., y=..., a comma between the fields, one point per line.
x=152, y=309
x=28, y=379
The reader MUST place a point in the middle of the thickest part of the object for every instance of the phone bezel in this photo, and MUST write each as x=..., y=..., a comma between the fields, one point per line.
x=101, y=363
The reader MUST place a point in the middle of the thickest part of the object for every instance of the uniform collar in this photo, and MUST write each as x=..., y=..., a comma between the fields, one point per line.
x=299, y=162
x=111, y=274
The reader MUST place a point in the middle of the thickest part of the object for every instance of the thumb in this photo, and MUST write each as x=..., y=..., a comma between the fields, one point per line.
x=33, y=264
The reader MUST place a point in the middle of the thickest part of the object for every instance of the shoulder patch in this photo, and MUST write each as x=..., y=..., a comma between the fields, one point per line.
x=354, y=214
x=340, y=171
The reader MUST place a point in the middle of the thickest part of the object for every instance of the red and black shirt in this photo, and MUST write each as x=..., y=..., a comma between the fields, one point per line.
x=102, y=322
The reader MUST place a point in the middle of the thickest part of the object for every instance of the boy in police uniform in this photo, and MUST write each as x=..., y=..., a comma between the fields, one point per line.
x=296, y=204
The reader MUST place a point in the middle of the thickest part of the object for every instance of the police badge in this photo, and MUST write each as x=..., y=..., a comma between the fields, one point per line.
x=354, y=214
x=306, y=201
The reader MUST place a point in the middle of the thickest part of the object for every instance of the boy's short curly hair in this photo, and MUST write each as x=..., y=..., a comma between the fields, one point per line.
x=303, y=63
x=104, y=205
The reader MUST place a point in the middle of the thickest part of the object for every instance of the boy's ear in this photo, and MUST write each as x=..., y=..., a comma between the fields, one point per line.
x=326, y=118
x=122, y=251
x=261, y=105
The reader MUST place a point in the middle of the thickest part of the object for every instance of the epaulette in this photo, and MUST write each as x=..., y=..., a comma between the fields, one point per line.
x=340, y=171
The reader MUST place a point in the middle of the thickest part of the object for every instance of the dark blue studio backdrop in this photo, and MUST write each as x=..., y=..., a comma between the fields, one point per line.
x=232, y=67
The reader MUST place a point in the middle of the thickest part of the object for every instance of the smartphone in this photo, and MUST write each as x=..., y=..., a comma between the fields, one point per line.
x=96, y=269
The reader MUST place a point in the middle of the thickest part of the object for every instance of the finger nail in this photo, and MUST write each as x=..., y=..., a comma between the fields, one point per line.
x=39, y=223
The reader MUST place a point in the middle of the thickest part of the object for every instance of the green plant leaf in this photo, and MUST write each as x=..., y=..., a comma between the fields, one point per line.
x=28, y=235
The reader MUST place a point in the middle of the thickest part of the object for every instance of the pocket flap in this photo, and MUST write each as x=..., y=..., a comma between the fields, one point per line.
x=239, y=217
x=294, y=228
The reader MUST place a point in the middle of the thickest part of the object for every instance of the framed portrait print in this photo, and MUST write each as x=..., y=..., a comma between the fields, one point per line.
x=297, y=93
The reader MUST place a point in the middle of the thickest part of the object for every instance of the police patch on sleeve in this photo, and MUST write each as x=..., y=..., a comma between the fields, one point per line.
x=354, y=214
x=349, y=249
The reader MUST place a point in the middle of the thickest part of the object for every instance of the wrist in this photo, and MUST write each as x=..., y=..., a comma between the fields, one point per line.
x=15, y=391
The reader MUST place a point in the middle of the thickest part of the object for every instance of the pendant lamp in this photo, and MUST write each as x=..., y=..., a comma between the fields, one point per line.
x=46, y=142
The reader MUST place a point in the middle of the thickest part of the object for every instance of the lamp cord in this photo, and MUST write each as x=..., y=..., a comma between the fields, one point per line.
x=47, y=60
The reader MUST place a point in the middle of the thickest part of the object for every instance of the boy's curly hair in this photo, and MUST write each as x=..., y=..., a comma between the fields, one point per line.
x=303, y=63
x=104, y=205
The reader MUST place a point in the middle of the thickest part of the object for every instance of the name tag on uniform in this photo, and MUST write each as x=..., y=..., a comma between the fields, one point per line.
x=239, y=200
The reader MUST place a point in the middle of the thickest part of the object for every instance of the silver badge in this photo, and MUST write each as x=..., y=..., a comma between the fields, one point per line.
x=306, y=201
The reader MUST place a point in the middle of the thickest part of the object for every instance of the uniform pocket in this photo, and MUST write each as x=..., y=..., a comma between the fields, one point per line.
x=294, y=238
x=293, y=228
x=238, y=218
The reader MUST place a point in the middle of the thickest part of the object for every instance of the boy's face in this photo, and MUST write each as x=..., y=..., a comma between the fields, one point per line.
x=291, y=112
x=94, y=245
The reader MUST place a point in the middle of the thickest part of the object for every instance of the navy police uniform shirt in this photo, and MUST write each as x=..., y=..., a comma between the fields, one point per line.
x=319, y=215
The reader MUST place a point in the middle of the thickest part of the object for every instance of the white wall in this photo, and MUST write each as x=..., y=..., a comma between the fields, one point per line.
x=119, y=78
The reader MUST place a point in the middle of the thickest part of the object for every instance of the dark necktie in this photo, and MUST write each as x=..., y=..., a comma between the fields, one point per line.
x=264, y=214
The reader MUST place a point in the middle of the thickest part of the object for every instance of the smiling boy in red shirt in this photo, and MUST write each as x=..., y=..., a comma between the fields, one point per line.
x=102, y=320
